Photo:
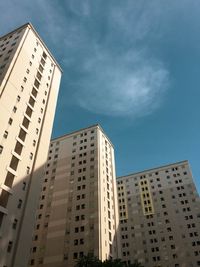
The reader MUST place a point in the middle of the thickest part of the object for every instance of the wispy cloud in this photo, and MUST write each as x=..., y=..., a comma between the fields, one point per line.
x=129, y=85
x=104, y=46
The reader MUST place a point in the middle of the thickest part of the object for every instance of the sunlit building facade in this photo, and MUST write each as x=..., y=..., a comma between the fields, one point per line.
x=29, y=83
x=77, y=212
x=159, y=211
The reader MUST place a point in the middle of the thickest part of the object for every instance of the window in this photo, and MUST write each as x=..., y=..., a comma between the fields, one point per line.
x=44, y=55
x=14, y=163
x=22, y=135
x=9, y=179
x=27, y=170
x=9, y=248
x=4, y=198
x=24, y=186
x=42, y=61
x=29, y=111
x=36, y=83
x=14, y=225
x=34, y=92
x=25, y=122
x=75, y=255
x=19, y=204
x=75, y=242
x=5, y=134
x=31, y=102
x=41, y=68
x=1, y=149
x=39, y=76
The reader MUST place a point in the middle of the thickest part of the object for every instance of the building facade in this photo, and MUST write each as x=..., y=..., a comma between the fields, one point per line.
x=159, y=213
x=77, y=213
x=29, y=83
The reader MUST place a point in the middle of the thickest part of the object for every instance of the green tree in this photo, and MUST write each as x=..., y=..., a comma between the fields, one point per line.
x=88, y=261
x=91, y=261
x=113, y=263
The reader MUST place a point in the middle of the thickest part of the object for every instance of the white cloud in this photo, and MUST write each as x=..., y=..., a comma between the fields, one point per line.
x=112, y=88
x=117, y=75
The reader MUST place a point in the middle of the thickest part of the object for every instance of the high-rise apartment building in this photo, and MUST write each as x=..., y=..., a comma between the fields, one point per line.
x=29, y=82
x=159, y=213
x=77, y=212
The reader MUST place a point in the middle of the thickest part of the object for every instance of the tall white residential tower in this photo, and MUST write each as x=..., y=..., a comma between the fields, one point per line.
x=77, y=213
x=29, y=83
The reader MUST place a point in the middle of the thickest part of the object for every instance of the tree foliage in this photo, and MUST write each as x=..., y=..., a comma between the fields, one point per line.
x=88, y=261
x=91, y=261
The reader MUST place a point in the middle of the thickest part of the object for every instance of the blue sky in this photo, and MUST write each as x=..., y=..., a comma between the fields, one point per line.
x=132, y=66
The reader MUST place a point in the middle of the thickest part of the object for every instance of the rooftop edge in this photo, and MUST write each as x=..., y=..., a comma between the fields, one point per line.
x=151, y=169
x=28, y=24
x=82, y=129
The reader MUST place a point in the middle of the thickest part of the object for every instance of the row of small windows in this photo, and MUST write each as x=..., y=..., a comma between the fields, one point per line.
x=44, y=56
x=83, y=141
x=79, y=179
x=4, y=46
x=151, y=181
x=56, y=150
x=78, y=241
x=82, y=147
x=82, y=162
x=7, y=56
x=83, y=134
x=8, y=37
